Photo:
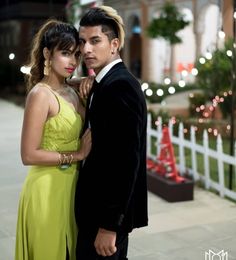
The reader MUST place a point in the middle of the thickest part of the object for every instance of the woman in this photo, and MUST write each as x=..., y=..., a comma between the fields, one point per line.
x=46, y=227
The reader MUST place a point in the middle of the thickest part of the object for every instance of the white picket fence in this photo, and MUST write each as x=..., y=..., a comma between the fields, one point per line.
x=222, y=159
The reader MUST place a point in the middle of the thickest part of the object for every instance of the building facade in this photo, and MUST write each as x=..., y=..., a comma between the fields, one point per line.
x=149, y=59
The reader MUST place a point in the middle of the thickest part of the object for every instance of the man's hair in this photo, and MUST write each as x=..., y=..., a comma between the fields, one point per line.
x=112, y=24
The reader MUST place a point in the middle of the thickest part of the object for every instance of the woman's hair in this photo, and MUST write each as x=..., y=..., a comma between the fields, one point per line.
x=112, y=24
x=53, y=34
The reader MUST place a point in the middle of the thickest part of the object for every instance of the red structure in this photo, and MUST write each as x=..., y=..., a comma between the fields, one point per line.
x=166, y=163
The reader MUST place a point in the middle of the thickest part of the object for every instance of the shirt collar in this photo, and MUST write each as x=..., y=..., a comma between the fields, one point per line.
x=104, y=71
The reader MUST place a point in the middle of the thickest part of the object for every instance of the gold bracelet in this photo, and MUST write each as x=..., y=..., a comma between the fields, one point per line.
x=59, y=159
x=71, y=158
x=65, y=160
x=68, y=158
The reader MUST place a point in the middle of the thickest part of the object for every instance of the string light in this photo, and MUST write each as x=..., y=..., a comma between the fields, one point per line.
x=202, y=60
x=206, y=111
x=149, y=92
x=182, y=83
x=144, y=86
x=25, y=70
x=221, y=34
x=210, y=130
x=229, y=53
x=184, y=73
x=171, y=90
x=167, y=81
x=194, y=72
x=208, y=55
x=173, y=120
x=160, y=92
x=11, y=56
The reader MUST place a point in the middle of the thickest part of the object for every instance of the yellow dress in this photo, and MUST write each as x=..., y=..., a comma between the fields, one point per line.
x=46, y=226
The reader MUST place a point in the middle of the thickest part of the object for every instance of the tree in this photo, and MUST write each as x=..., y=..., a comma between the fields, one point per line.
x=73, y=8
x=166, y=26
x=215, y=75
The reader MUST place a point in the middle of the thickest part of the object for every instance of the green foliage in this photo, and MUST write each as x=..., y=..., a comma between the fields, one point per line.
x=167, y=24
x=196, y=100
x=215, y=75
x=161, y=113
x=72, y=8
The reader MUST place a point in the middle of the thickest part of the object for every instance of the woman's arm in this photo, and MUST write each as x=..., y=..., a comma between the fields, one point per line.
x=36, y=114
x=82, y=88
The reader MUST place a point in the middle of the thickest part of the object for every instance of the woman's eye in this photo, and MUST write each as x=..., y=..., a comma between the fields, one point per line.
x=66, y=53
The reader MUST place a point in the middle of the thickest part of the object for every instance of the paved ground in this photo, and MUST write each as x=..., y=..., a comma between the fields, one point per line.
x=177, y=231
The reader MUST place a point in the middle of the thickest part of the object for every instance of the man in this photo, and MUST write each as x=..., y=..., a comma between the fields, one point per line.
x=111, y=194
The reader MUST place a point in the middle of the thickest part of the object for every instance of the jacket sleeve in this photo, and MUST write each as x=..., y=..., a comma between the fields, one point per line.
x=119, y=152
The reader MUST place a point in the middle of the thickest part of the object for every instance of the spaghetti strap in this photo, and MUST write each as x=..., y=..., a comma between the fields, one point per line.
x=56, y=96
x=61, y=99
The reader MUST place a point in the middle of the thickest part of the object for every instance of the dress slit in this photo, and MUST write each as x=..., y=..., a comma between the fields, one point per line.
x=67, y=251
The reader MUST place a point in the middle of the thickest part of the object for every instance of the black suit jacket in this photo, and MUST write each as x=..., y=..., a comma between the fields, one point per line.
x=111, y=191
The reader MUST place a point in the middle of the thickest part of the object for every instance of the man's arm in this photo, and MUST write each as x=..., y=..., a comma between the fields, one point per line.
x=118, y=153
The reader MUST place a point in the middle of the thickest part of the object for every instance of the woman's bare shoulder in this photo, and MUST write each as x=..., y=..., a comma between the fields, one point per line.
x=38, y=94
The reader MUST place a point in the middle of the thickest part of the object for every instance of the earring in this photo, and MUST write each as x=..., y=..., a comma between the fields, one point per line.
x=47, y=67
x=112, y=52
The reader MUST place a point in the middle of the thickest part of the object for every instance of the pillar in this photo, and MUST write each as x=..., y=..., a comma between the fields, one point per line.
x=145, y=41
x=227, y=16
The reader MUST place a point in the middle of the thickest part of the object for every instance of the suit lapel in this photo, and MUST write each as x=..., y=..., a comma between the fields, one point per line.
x=89, y=100
x=95, y=86
x=117, y=66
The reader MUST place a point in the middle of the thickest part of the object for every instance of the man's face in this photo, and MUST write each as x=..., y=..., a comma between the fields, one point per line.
x=95, y=47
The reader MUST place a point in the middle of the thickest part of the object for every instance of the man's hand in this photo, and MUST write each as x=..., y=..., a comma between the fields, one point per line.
x=105, y=242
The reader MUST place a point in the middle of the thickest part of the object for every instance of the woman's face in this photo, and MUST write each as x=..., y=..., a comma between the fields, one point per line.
x=64, y=62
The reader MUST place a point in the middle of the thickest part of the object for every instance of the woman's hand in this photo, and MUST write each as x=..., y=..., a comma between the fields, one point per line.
x=85, y=86
x=85, y=145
